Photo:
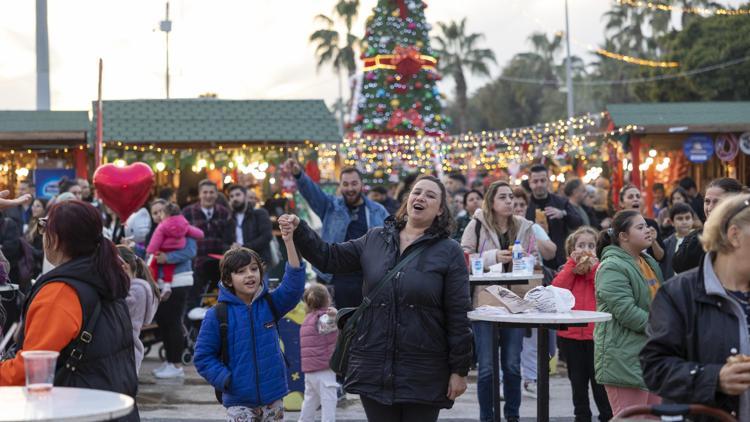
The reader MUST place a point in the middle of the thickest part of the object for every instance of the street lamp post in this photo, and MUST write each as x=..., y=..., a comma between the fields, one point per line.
x=568, y=68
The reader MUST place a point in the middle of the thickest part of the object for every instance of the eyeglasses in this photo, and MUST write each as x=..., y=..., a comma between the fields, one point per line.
x=41, y=224
x=745, y=204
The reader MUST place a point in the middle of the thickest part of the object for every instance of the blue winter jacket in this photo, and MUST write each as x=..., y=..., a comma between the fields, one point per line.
x=257, y=373
x=334, y=213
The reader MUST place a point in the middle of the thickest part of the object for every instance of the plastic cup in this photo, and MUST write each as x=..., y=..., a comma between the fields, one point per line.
x=530, y=263
x=40, y=370
x=477, y=265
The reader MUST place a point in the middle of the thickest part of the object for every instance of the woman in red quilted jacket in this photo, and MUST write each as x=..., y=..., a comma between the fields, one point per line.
x=577, y=275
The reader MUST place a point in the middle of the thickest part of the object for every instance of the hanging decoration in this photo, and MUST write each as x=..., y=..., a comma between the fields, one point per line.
x=401, y=154
x=727, y=146
x=702, y=11
x=636, y=60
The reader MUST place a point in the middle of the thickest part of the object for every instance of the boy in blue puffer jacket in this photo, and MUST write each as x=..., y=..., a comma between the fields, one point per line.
x=255, y=381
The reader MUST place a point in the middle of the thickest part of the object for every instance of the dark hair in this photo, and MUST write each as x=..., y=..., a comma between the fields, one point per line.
x=443, y=224
x=316, y=297
x=688, y=183
x=65, y=184
x=165, y=193
x=33, y=229
x=621, y=223
x=458, y=177
x=75, y=228
x=237, y=187
x=571, y=186
x=206, y=182
x=538, y=168
x=233, y=260
x=466, y=196
x=626, y=188
x=171, y=209
x=26, y=182
x=138, y=267
x=681, y=191
x=379, y=189
x=680, y=208
x=657, y=186
x=727, y=184
x=346, y=170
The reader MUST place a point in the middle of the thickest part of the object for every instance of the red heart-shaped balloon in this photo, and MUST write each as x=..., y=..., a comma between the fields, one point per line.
x=124, y=189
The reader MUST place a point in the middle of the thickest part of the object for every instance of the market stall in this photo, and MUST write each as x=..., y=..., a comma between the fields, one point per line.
x=227, y=141
x=703, y=140
x=43, y=146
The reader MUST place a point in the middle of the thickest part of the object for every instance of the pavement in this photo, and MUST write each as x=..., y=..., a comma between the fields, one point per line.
x=192, y=399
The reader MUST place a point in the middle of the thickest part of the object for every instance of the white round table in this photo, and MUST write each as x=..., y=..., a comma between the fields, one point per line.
x=503, y=279
x=543, y=322
x=63, y=404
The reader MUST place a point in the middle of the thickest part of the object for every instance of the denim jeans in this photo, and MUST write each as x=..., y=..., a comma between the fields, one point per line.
x=511, y=341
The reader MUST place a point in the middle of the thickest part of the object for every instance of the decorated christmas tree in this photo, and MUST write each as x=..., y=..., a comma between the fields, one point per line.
x=399, y=93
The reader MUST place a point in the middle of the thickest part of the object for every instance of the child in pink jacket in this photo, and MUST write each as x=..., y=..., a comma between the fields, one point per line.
x=171, y=235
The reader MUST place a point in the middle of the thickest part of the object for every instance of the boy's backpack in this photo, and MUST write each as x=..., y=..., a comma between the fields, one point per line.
x=221, y=315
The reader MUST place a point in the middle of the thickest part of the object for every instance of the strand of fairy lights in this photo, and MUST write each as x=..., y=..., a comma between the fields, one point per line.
x=691, y=10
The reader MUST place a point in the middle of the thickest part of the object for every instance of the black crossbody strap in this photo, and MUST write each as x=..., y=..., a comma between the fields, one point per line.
x=392, y=273
x=82, y=342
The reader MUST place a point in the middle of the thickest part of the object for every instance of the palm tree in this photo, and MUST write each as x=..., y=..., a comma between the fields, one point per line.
x=458, y=52
x=330, y=51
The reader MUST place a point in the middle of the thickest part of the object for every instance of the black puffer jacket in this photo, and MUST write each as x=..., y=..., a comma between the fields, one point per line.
x=416, y=332
x=691, y=333
x=109, y=359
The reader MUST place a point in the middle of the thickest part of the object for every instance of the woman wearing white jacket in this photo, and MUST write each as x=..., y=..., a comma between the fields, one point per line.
x=497, y=233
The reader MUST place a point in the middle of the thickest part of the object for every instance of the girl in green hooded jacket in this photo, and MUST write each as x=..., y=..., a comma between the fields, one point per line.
x=626, y=281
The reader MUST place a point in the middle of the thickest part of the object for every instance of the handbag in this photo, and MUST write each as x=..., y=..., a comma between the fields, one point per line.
x=348, y=319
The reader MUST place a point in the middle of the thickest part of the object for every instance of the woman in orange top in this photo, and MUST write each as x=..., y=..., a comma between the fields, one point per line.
x=84, y=293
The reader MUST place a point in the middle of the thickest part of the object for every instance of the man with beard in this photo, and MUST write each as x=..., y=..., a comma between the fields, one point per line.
x=344, y=217
x=551, y=211
x=252, y=227
x=213, y=219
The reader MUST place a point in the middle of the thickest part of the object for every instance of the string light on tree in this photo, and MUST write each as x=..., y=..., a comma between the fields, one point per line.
x=636, y=60
x=702, y=11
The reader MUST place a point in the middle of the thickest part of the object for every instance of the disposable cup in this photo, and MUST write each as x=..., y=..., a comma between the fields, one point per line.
x=477, y=265
x=40, y=370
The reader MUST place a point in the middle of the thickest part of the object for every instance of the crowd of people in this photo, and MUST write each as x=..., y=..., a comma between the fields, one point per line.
x=677, y=286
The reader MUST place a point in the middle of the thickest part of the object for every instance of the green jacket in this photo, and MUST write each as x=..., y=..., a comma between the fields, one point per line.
x=621, y=290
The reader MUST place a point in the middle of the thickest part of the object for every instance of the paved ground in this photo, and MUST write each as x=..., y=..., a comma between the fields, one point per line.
x=192, y=399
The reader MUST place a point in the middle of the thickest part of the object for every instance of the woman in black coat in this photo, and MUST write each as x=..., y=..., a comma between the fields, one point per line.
x=412, y=350
x=699, y=319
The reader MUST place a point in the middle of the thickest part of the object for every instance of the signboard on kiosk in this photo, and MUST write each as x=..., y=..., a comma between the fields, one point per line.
x=698, y=148
x=46, y=180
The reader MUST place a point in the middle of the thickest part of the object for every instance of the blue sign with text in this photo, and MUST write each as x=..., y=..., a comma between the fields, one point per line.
x=698, y=148
x=46, y=181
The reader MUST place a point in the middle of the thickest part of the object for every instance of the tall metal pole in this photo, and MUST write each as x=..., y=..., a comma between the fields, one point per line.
x=568, y=67
x=42, y=57
x=166, y=26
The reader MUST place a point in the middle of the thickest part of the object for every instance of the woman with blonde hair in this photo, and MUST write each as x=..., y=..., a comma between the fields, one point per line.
x=698, y=346
x=492, y=233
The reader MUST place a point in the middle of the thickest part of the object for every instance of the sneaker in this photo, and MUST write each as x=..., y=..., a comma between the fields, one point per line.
x=529, y=389
x=170, y=371
x=160, y=367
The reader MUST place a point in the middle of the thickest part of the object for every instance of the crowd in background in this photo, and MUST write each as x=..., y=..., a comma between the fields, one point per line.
x=614, y=258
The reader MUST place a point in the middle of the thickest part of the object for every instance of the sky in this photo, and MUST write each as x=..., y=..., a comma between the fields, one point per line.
x=238, y=49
